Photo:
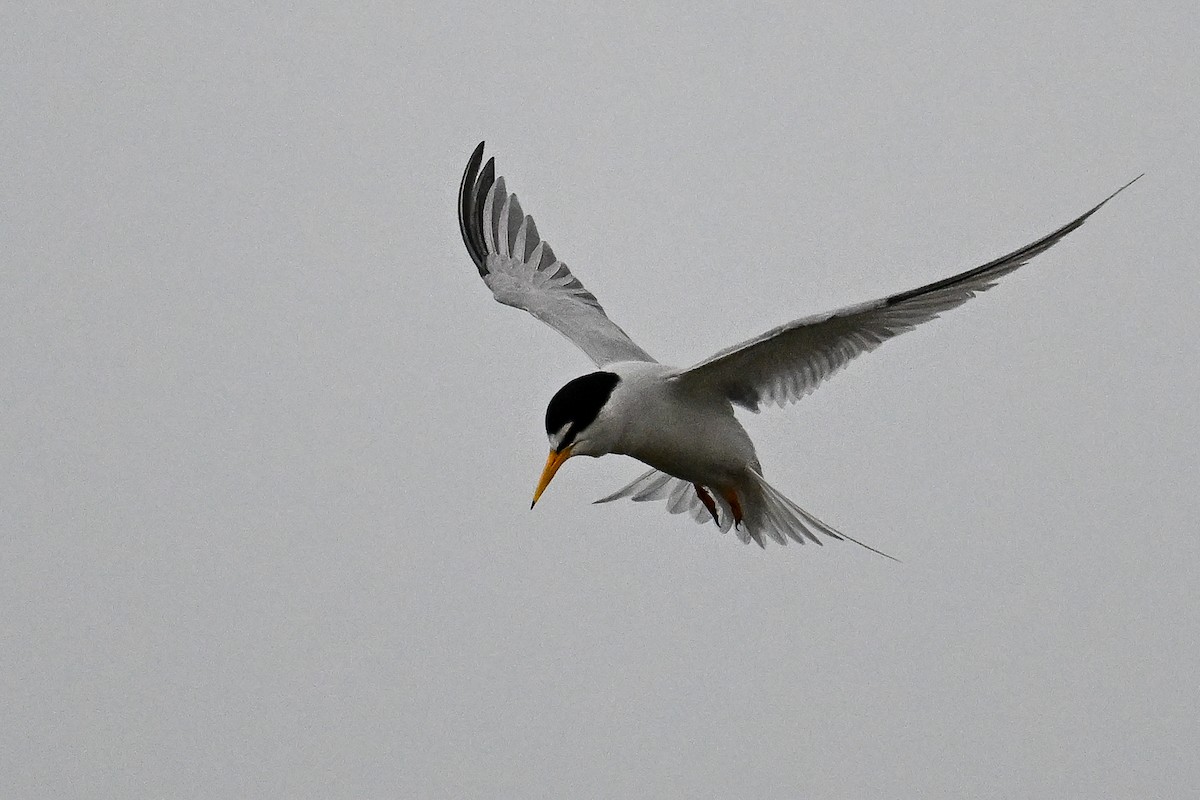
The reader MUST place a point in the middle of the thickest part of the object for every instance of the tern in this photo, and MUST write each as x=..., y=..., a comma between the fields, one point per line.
x=680, y=422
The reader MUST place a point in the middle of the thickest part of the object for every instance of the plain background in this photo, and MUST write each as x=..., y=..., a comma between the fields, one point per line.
x=267, y=445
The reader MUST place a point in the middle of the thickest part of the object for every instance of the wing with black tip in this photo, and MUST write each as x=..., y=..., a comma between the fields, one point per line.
x=522, y=271
x=786, y=363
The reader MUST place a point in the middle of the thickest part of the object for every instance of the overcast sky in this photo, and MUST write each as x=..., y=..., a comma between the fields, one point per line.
x=267, y=445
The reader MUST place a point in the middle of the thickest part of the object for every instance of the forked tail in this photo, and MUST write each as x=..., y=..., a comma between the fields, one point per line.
x=767, y=513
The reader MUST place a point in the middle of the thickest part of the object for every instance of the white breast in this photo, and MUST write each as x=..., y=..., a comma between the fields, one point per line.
x=690, y=436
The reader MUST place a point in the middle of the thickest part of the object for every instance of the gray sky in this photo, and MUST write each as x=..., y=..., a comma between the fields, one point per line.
x=267, y=445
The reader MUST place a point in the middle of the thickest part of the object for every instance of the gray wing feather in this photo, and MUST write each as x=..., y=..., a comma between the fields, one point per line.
x=786, y=363
x=522, y=270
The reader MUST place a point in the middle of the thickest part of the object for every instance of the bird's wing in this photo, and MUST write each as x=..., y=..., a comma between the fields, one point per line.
x=522, y=271
x=785, y=364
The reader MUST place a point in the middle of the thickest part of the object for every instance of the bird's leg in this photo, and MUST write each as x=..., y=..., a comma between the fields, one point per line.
x=708, y=501
x=735, y=506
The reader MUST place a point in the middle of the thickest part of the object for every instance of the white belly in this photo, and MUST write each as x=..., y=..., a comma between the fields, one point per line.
x=697, y=439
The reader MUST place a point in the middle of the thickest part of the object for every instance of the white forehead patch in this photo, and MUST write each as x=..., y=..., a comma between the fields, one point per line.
x=557, y=437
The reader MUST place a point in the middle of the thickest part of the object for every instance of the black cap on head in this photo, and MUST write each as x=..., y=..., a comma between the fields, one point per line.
x=578, y=403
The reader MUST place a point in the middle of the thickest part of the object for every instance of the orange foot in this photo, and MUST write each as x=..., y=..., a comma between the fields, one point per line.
x=731, y=497
x=708, y=501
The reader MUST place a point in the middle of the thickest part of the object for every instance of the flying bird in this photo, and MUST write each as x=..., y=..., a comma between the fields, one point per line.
x=680, y=422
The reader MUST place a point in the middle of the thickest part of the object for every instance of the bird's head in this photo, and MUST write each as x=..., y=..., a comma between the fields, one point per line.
x=575, y=424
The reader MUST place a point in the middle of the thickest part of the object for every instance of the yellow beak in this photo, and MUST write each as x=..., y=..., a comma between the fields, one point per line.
x=553, y=462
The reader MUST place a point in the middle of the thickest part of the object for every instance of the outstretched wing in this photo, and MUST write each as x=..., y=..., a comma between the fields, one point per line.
x=785, y=364
x=522, y=272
